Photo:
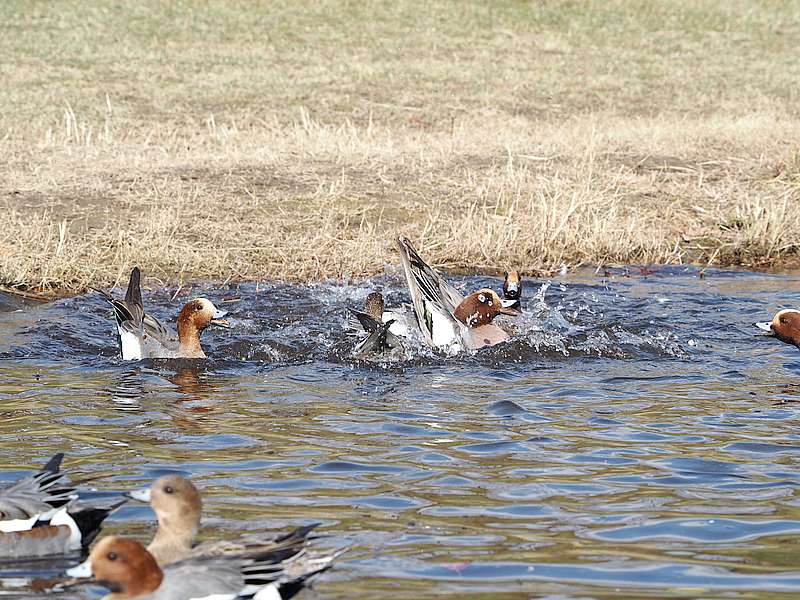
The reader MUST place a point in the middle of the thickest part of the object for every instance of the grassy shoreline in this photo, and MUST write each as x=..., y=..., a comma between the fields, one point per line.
x=294, y=141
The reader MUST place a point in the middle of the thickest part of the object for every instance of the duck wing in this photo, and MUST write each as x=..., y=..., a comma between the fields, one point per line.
x=433, y=298
x=379, y=341
x=368, y=322
x=35, y=494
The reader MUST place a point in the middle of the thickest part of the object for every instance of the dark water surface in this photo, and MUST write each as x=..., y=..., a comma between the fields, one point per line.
x=637, y=439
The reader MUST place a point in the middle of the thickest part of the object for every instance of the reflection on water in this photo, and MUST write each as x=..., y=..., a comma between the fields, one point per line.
x=636, y=439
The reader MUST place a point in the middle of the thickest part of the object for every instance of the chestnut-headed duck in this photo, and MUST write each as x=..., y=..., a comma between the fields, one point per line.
x=178, y=507
x=512, y=288
x=380, y=339
x=785, y=326
x=447, y=319
x=143, y=336
x=130, y=571
x=42, y=517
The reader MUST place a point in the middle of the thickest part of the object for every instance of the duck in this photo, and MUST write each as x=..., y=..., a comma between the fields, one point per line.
x=378, y=323
x=143, y=336
x=41, y=515
x=178, y=507
x=512, y=288
x=785, y=326
x=448, y=320
x=130, y=571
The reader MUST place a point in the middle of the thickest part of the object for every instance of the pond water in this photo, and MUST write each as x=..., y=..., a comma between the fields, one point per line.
x=638, y=438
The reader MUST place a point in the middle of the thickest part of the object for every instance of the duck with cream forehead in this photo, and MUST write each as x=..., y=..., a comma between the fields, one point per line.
x=143, y=336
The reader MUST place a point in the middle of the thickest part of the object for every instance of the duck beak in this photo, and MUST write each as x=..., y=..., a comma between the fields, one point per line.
x=83, y=570
x=216, y=318
x=142, y=495
x=765, y=326
x=505, y=308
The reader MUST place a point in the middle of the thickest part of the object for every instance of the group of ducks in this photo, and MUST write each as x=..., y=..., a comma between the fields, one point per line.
x=442, y=317
x=43, y=516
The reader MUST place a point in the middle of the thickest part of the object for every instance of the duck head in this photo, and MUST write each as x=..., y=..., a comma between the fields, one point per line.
x=121, y=565
x=177, y=505
x=481, y=307
x=512, y=285
x=373, y=306
x=785, y=326
x=201, y=313
x=194, y=317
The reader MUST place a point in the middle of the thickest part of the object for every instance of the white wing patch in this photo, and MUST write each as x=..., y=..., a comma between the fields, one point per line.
x=12, y=525
x=443, y=331
x=62, y=517
x=130, y=344
x=268, y=593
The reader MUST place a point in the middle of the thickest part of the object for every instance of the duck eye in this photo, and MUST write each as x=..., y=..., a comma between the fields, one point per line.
x=111, y=556
x=168, y=489
x=482, y=298
x=198, y=306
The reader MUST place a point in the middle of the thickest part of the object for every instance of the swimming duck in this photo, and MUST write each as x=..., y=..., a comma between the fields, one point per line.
x=380, y=339
x=143, y=336
x=125, y=567
x=447, y=319
x=512, y=288
x=42, y=517
x=785, y=326
x=178, y=506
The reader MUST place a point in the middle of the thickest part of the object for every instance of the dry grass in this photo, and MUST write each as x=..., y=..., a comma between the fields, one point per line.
x=221, y=141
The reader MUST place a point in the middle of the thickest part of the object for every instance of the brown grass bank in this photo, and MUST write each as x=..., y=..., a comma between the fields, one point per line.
x=222, y=140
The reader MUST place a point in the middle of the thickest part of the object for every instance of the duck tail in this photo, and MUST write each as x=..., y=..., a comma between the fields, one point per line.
x=306, y=568
x=54, y=464
x=133, y=296
x=90, y=520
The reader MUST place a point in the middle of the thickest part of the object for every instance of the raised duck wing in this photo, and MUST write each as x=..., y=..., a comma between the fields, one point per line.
x=432, y=298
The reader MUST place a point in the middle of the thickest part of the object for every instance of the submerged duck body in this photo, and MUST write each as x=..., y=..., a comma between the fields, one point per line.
x=143, y=336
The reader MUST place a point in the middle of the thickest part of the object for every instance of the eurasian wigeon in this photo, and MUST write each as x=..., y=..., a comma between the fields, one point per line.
x=446, y=319
x=126, y=568
x=42, y=517
x=512, y=288
x=143, y=336
x=178, y=507
x=785, y=326
x=380, y=339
